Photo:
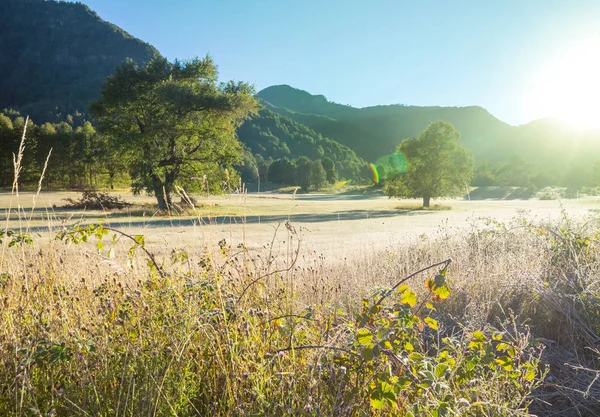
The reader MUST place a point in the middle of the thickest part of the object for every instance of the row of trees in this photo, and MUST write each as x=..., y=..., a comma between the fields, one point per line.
x=165, y=125
x=303, y=172
x=517, y=172
x=80, y=156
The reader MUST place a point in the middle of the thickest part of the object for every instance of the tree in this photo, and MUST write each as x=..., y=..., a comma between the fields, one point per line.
x=318, y=176
x=303, y=168
x=282, y=171
x=174, y=123
x=329, y=166
x=438, y=166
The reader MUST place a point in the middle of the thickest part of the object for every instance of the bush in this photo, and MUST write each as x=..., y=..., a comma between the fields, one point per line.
x=96, y=200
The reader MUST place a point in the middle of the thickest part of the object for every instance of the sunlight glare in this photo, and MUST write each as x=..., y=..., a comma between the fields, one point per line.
x=568, y=86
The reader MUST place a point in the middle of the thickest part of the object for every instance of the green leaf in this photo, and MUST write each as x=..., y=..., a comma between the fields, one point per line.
x=479, y=336
x=440, y=370
x=409, y=298
x=140, y=240
x=442, y=292
x=364, y=336
x=417, y=357
x=367, y=352
x=530, y=375
x=502, y=346
x=431, y=323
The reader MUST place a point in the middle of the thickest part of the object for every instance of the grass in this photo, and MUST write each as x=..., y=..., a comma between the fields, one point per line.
x=417, y=206
x=232, y=331
x=492, y=318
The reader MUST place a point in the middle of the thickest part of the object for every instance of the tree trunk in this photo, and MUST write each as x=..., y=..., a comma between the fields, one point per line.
x=426, y=200
x=161, y=193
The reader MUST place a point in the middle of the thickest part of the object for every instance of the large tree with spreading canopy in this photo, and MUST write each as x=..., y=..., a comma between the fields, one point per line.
x=174, y=123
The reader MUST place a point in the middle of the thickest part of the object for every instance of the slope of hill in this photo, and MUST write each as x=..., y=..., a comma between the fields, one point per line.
x=375, y=131
x=275, y=136
x=55, y=56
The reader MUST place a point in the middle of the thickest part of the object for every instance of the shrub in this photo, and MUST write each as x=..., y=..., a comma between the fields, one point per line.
x=92, y=199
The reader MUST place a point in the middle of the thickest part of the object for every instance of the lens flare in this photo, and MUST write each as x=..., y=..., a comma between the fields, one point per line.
x=374, y=173
x=388, y=166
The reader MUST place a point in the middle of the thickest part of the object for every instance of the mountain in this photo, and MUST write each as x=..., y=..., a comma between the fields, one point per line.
x=376, y=131
x=55, y=56
x=275, y=136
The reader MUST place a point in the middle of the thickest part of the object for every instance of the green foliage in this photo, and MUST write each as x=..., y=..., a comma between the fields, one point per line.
x=187, y=343
x=74, y=156
x=174, y=124
x=56, y=56
x=15, y=238
x=282, y=171
x=318, y=176
x=303, y=173
x=271, y=135
x=330, y=171
x=437, y=165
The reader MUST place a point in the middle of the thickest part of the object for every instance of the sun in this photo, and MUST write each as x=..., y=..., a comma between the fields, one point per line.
x=567, y=86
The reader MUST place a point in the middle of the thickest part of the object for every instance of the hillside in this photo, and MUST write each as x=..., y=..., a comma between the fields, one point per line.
x=375, y=131
x=55, y=56
x=275, y=136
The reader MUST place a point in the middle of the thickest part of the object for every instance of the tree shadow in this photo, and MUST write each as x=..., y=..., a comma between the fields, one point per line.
x=161, y=222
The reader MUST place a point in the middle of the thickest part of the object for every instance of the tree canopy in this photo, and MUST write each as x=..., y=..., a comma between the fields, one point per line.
x=174, y=123
x=438, y=166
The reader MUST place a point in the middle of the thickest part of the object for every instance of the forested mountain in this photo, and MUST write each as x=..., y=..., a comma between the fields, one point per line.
x=55, y=56
x=375, y=131
x=539, y=153
x=271, y=135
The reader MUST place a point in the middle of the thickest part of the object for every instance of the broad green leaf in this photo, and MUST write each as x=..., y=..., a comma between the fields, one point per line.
x=409, y=298
x=441, y=369
x=479, y=336
x=431, y=323
x=502, y=346
x=364, y=336
x=367, y=352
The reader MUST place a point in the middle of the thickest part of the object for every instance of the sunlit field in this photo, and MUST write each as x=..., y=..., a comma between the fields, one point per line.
x=332, y=224
x=269, y=305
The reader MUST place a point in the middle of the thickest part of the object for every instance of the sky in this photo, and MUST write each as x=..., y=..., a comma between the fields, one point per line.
x=498, y=54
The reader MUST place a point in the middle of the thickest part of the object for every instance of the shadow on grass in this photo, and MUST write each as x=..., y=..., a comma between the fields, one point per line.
x=500, y=193
x=161, y=222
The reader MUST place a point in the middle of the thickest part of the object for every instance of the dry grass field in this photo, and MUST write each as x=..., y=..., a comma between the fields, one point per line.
x=233, y=311
x=333, y=225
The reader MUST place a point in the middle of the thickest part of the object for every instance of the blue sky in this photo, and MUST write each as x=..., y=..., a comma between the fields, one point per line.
x=363, y=53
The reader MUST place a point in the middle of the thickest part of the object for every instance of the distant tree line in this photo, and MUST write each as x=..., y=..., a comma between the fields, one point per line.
x=80, y=156
x=83, y=158
x=517, y=172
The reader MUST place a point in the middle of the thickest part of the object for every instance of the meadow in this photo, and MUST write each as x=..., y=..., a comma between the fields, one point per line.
x=288, y=304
